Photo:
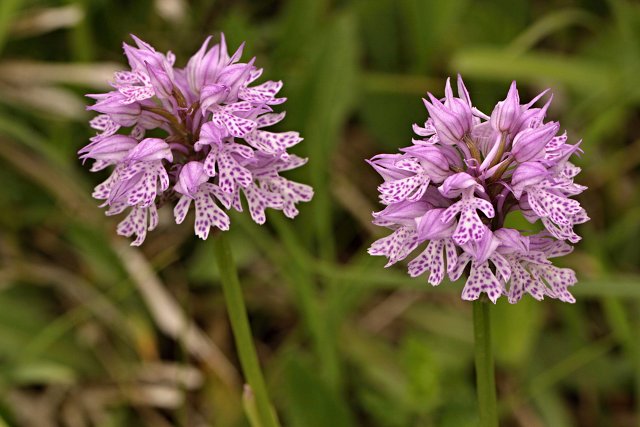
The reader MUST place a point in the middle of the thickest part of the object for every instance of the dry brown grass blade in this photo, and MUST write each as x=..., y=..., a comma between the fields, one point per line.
x=173, y=11
x=49, y=100
x=391, y=308
x=154, y=395
x=169, y=316
x=45, y=20
x=182, y=375
x=34, y=73
x=352, y=199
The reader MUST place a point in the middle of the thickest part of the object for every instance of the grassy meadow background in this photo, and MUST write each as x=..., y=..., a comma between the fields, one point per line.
x=94, y=332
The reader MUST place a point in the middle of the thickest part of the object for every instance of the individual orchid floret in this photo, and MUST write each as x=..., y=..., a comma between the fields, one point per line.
x=396, y=246
x=505, y=115
x=482, y=254
x=139, y=175
x=410, y=188
x=204, y=68
x=530, y=144
x=449, y=128
x=116, y=106
x=211, y=148
x=432, y=227
x=452, y=119
x=559, y=213
x=193, y=185
x=112, y=148
x=526, y=175
x=274, y=191
x=452, y=191
x=470, y=226
x=532, y=272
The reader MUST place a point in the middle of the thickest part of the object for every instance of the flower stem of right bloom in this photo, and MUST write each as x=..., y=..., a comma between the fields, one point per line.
x=242, y=331
x=485, y=376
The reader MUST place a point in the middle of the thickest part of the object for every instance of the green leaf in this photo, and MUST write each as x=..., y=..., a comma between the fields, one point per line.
x=310, y=400
x=554, y=21
x=42, y=373
x=381, y=32
x=424, y=373
x=389, y=117
x=8, y=9
x=535, y=67
x=328, y=96
x=433, y=28
x=515, y=328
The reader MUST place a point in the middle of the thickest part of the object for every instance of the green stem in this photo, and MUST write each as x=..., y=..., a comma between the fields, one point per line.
x=322, y=336
x=242, y=332
x=498, y=157
x=485, y=377
x=473, y=148
x=173, y=122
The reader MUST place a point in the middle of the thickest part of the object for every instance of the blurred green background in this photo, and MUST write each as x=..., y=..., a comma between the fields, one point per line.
x=96, y=333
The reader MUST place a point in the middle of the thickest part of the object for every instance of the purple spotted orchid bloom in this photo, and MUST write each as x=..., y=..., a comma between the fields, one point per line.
x=212, y=148
x=451, y=190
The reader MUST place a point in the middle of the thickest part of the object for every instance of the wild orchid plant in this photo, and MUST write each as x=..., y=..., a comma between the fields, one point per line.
x=210, y=147
x=452, y=190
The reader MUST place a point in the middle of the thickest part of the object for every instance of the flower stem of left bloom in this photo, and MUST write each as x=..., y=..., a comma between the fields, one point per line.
x=242, y=332
x=485, y=375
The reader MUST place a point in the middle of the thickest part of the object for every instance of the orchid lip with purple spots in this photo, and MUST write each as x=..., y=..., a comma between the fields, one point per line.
x=452, y=189
x=214, y=151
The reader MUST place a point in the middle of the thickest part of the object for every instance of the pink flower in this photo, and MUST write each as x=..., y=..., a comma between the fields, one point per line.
x=452, y=191
x=214, y=147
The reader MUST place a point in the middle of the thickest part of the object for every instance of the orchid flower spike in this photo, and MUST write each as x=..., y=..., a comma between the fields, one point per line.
x=451, y=191
x=212, y=150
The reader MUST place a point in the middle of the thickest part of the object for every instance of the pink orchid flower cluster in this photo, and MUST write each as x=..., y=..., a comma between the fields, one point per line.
x=206, y=142
x=452, y=189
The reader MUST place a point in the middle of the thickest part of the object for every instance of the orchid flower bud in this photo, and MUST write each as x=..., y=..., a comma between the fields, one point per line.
x=529, y=144
x=505, y=115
